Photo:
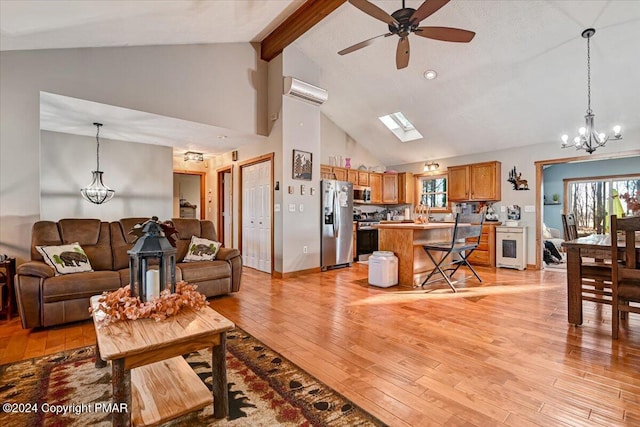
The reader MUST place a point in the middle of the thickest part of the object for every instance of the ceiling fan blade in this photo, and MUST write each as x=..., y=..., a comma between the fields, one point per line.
x=446, y=34
x=362, y=44
x=374, y=11
x=428, y=8
x=402, y=53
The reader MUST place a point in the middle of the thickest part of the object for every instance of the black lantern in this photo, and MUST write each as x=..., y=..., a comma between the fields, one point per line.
x=152, y=248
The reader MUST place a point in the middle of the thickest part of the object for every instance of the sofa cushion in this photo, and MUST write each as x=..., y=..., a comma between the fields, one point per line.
x=204, y=270
x=80, y=285
x=65, y=259
x=202, y=250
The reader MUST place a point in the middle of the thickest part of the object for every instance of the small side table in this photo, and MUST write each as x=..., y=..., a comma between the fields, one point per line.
x=7, y=273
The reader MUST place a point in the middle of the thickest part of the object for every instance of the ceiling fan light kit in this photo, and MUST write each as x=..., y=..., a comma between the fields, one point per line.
x=405, y=21
x=588, y=138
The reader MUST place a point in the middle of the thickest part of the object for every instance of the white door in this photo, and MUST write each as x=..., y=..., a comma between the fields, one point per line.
x=256, y=216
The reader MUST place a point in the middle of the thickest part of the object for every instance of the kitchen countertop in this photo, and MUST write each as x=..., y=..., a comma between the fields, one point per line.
x=414, y=226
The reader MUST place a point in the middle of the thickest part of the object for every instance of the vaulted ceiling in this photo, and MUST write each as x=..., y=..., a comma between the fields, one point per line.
x=520, y=81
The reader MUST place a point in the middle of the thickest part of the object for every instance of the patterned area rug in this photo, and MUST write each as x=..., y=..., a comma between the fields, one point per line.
x=264, y=390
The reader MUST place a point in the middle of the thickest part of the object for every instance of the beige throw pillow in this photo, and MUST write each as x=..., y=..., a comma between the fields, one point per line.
x=202, y=250
x=65, y=259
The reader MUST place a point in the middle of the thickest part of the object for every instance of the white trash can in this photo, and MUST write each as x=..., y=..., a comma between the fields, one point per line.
x=383, y=269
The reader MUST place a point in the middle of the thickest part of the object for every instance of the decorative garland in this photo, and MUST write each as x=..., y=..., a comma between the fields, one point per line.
x=120, y=305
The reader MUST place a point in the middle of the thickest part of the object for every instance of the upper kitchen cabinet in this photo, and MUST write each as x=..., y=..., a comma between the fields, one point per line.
x=352, y=176
x=405, y=188
x=375, y=182
x=340, y=173
x=389, y=188
x=475, y=182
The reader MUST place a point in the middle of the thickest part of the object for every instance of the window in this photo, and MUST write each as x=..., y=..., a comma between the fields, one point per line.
x=593, y=200
x=432, y=192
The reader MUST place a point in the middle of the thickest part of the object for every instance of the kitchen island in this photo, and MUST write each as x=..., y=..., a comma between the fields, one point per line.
x=405, y=240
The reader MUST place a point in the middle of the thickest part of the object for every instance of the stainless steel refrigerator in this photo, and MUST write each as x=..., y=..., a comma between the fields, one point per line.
x=336, y=246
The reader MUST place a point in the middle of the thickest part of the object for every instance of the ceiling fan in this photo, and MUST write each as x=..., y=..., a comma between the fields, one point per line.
x=405, y=21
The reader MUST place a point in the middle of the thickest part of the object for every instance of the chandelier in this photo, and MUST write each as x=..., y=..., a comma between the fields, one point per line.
x=97, y=192
x=588, y=138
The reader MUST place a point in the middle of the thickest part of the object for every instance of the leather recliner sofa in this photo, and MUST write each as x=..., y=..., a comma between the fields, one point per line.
x=45, y=299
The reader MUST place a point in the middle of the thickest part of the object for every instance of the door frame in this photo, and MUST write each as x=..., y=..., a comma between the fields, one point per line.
x=242, y=165
x=203, y=185
x=540, y=164
x=221, y=206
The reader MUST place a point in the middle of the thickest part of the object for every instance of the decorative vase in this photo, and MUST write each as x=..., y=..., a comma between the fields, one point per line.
x=347, y=162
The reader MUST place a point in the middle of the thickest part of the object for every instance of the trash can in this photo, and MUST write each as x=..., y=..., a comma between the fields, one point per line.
x=383, y=269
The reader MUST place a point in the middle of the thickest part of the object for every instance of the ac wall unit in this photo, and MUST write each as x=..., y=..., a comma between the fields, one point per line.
x=298, y=89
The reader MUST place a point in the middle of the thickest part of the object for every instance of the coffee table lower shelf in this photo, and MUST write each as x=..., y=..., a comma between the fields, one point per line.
x=165, y=390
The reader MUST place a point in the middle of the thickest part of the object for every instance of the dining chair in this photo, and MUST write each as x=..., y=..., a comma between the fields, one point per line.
x=465, y=238
x=625, y=284
x=569, y=226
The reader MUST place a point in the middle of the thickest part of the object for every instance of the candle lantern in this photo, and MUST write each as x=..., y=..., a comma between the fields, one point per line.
x=152, y=248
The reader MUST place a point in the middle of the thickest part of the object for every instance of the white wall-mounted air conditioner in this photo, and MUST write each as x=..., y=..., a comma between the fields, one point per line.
x=305, y=91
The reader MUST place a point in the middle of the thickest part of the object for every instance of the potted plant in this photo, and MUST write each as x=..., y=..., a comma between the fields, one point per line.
x=555, y=198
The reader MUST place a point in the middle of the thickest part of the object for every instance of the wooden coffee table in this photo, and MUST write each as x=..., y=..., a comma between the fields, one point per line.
x=150, y=378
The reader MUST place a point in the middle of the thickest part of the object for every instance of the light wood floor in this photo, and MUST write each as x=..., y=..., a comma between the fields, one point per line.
x=500, y=353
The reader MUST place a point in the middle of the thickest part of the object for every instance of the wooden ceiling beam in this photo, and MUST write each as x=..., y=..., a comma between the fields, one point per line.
x=299, y=22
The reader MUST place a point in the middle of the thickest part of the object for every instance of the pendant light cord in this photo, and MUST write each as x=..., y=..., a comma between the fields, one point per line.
x=98, y=146
x=589, y=75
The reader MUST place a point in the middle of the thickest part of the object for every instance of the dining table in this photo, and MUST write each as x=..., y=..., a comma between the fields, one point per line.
x=595, y=246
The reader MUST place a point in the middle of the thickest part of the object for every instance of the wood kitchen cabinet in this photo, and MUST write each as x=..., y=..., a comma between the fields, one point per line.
x=375, y=182
x=475, y=182
x=405, y=187
x=485, y=253
x=363, y=178
x=326, y=172
x=352, y=176
x=340, y=173
x=390, y=188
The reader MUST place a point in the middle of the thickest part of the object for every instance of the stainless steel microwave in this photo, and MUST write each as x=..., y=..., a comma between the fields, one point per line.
x=361, y=194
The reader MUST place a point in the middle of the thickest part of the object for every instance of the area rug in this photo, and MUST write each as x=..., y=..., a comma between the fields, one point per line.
x=265, y=389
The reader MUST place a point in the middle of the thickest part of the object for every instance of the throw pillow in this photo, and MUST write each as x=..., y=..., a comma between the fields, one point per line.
x=65, y=259
x=546, y=233
x=202, y=250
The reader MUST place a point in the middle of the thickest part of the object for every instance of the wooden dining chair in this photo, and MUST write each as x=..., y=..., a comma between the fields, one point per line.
x=625, y=285
x=570, y=227
x=464, y=240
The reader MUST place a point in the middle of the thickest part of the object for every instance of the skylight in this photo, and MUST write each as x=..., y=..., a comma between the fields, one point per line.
x=401, y=127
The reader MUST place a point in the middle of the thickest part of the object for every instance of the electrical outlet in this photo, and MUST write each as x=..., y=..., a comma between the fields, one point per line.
x=305, y=250
x=301, y=207
x=503, y=208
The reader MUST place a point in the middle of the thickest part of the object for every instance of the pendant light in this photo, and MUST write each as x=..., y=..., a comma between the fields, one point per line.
x=588, y=138
x=97, y=192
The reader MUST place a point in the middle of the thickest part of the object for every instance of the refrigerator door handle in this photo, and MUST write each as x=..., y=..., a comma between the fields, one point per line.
x=336, y=213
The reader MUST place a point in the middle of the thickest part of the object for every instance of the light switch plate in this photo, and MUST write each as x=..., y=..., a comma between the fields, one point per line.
x=529, y=208
x=291, y=189
x=292, y=207
x=503, y=208
x=301, y=207
x=313, y=191
x=276, y=207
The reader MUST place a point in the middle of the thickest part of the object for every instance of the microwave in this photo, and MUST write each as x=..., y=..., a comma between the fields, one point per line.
x=361, y=194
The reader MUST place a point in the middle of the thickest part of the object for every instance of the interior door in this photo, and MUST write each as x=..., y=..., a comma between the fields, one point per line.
x=226, y=213
x=256, y=216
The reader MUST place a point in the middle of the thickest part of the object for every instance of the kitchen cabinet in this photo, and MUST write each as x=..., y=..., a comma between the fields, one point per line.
x=326, y=172
x=340, y=173
x=485, y=253
x=352, y=176
x=406, y=187
x=475, y=182
x=363, y=178
x=375, y=182
x=390, y=188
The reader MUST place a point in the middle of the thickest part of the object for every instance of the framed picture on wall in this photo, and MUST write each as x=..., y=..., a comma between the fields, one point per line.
x=302, y=165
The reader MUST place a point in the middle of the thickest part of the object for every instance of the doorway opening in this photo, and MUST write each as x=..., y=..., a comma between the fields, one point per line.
x=225, y=206
x=189, y=194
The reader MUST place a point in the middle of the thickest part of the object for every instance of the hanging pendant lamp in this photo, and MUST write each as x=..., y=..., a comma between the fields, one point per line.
x=97, y=192
x=588, y=138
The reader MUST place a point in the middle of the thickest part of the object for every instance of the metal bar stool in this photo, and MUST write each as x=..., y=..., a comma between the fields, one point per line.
x=465, y=238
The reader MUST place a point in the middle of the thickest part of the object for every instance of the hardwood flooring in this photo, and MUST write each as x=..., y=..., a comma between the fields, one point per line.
x=496, y=353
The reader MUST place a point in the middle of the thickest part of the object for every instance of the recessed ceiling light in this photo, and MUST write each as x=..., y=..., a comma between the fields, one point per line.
x=430, y=74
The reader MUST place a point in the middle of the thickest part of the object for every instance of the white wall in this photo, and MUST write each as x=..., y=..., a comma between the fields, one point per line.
x=336, y=142
x=213, y=84
x=140, y=174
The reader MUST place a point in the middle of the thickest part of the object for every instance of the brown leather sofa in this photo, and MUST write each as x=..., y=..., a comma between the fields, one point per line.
x=45, y=299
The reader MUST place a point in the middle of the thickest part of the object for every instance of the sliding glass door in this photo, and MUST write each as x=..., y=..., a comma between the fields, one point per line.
x=593, y=200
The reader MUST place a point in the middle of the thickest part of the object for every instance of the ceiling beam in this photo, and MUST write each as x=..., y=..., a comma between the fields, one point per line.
x=299, y=22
